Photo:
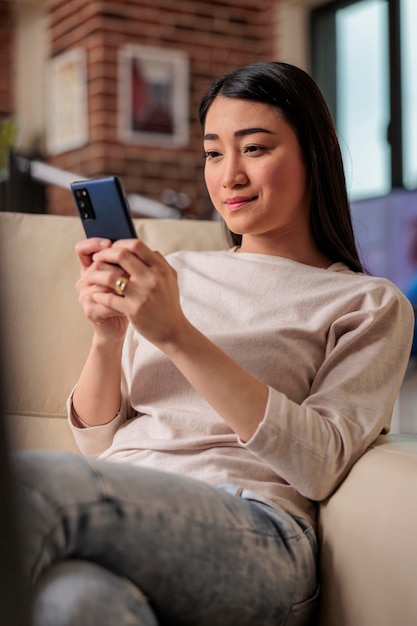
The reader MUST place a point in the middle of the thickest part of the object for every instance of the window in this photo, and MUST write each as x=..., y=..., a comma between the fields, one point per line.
x=409, y=91
x=364, y=57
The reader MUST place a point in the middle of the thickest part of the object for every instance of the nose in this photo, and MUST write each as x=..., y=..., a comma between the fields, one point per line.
x=234, y=173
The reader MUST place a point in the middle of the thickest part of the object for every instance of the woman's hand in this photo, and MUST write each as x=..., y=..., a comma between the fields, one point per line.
x=150, y=300
x=95, y=276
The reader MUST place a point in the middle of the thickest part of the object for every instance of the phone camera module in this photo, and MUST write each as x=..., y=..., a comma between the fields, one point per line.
x=84, y=204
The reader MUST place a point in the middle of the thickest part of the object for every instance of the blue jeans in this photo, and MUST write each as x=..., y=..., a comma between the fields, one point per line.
x=111, y=544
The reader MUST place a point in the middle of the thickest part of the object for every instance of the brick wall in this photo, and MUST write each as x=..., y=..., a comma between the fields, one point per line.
x=216, y=35
x=6, y=60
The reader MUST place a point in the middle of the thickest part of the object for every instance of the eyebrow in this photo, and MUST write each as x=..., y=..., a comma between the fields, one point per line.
x=241, y=133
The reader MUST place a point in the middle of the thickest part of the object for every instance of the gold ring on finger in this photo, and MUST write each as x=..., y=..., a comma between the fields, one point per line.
x=120, y=285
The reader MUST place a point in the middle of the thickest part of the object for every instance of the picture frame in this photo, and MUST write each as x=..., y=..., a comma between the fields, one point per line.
x=153, y=96
x=67, y=101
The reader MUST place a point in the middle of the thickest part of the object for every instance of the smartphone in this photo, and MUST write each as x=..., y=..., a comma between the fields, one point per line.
x=103, y=208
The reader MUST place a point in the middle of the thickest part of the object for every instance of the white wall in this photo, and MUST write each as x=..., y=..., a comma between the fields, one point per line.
x=292, y=31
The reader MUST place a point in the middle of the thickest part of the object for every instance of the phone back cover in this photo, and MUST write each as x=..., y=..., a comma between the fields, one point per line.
x=113, y=220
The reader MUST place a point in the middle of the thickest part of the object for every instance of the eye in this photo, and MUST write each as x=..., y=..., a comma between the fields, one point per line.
x=211, y=154
x=253, y=149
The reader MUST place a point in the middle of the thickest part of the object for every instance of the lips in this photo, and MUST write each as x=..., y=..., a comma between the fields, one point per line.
x=237, y=202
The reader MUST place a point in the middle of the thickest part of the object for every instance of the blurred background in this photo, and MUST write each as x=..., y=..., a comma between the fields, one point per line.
x=100, y=87
x=97, y=87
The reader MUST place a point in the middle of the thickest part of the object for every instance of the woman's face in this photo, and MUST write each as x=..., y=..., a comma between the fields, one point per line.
x=255, y=174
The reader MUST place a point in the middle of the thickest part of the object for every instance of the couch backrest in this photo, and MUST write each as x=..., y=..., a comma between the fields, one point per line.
x=45, y=334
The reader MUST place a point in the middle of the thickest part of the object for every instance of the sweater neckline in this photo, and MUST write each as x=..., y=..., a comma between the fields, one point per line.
x=338, y=266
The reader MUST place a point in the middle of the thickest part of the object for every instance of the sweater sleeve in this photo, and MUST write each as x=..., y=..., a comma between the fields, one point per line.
x=94, y=440
x=314, y=444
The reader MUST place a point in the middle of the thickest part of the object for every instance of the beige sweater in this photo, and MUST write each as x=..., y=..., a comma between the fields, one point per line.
x=332, y=346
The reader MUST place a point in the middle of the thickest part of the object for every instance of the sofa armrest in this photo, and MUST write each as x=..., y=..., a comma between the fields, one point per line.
x=368, y=538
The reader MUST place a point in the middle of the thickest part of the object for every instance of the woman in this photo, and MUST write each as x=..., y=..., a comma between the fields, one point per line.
x=225, y=392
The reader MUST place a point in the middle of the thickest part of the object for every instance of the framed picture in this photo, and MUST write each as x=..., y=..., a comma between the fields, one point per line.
x=67, y=104
x=153, y=96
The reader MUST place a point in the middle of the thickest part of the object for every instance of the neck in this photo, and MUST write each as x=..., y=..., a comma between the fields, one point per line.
x=304, y=250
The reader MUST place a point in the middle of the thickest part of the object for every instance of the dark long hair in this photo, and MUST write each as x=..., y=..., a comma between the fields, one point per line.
x=295, y=94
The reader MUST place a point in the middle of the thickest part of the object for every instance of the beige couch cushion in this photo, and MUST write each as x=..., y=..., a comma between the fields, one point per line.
x=46, y=336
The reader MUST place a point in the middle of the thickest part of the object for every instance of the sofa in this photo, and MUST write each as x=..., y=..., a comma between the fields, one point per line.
x=367, y=528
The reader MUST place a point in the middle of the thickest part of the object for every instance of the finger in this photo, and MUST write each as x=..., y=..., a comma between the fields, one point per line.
x=102, y=276
x=139, y=249
x=110, y=302
x=86, y=248
x=92, y=309
x=127, y=252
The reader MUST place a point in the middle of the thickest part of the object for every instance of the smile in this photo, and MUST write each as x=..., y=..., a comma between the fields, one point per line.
x=233, y=204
